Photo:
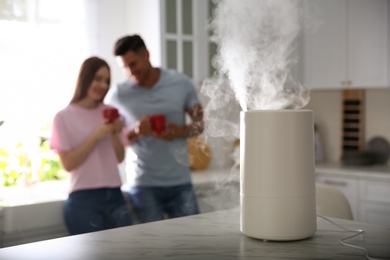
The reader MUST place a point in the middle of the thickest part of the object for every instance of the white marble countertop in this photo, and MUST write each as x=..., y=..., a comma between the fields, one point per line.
x=222, y=175
x=378, y=172
x=215, y=175
x=205, y=179
x=44, y=192
x=213, y=235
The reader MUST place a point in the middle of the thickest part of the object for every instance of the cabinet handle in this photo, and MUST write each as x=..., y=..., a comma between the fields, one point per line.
x=346, y=82
x=335, y=183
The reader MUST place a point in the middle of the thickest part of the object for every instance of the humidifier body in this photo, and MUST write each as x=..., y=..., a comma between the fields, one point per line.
x=277, y=183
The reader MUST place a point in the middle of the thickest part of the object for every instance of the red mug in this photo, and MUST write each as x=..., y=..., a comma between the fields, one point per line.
x=158, y=124
x=110, y=114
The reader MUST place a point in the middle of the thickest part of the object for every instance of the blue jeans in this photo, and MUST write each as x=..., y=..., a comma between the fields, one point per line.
x=154, y=203
x=94, y=210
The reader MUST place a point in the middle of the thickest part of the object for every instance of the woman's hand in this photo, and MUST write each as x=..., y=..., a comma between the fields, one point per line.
x=103, y=130
x=117, y=126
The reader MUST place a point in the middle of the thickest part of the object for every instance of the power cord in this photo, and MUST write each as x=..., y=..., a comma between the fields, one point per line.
x=357, y=233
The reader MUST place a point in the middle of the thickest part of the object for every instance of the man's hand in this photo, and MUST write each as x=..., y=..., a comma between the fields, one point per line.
x=171, y=132
x=143, y=127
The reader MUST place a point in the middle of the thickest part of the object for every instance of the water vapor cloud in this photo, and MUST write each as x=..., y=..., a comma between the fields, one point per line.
x=255, y=40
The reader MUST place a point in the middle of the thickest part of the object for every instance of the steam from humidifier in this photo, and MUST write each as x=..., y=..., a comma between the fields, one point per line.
x=256, y=41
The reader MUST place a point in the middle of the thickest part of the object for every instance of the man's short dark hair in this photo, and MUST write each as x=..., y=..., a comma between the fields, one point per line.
x=129, y=43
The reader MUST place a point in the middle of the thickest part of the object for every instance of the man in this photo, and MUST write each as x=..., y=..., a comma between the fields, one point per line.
x=161, y=184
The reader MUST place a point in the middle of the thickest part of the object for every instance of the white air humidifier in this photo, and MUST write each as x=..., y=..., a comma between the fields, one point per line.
x=277, y=196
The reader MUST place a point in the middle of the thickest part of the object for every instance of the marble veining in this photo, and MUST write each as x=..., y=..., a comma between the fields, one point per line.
x=377, y=172
x=213, y=235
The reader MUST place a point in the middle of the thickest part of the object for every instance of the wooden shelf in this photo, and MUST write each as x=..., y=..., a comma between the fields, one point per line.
x=353, y=121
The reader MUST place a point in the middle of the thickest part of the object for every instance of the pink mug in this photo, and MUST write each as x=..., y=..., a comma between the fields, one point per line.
x=158, y=124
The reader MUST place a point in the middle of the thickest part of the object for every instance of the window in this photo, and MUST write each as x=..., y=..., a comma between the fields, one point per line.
x=42, y=45
x=185, y=37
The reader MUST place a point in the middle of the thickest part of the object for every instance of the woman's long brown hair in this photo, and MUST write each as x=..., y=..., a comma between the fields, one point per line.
x=86, y=74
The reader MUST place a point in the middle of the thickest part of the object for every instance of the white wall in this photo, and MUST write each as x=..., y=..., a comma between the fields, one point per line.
x=110, y=20
x=143, y=18
x=378, y=114
x=106, y=23
x=327, y=115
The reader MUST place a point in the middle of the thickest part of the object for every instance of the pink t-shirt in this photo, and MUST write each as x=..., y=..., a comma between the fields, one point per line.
x=71, y=126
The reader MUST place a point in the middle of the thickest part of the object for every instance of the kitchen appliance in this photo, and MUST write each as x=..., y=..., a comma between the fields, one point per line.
x=359, y=158
x=377, y=152
x=277, y=193
x=380, y=147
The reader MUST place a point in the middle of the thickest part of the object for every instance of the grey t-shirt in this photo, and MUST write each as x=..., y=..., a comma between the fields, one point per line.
x=152, y=161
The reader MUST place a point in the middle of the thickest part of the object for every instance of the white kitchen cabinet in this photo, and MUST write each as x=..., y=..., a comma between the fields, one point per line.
x=31, y=223
x=388, y=44
x=1, y=227
x=217, y=188
x=350, y=48
x=218, y=196
x=375, y=202
x=375, y=213
x=349, y=187
x=368, y=193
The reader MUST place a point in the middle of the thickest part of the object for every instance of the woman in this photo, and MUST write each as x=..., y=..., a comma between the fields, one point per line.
x=90, y=149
